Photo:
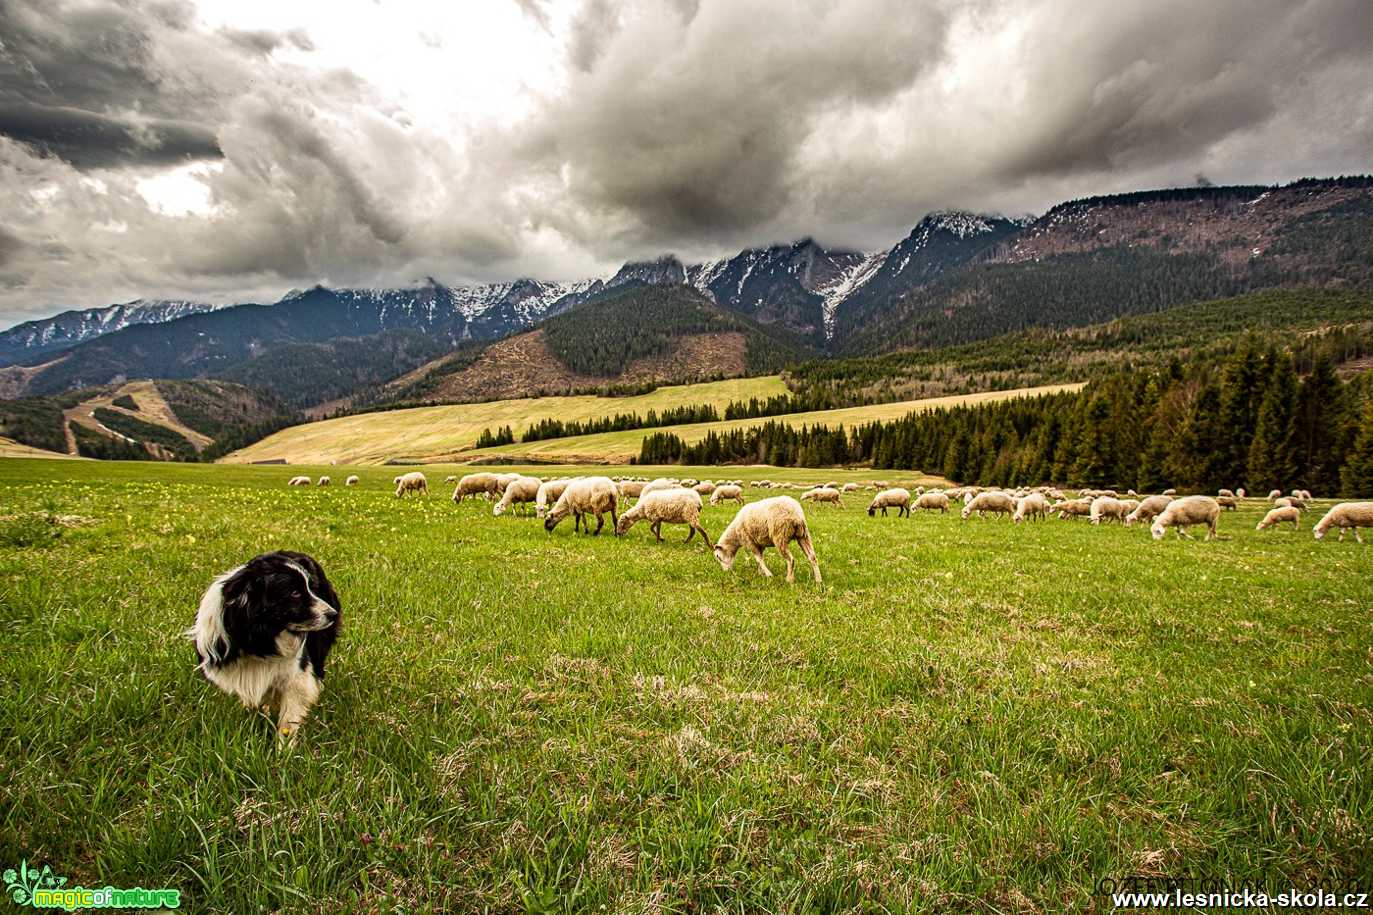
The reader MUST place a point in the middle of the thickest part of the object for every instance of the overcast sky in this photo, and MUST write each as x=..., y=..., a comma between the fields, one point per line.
x=229, y=150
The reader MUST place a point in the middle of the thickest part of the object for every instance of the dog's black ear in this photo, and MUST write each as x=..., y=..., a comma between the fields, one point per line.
x=243, y=613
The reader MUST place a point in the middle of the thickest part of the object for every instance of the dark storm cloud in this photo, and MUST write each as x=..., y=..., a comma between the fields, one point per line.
x=92, y=83
x=90, y=140
x=694, y=122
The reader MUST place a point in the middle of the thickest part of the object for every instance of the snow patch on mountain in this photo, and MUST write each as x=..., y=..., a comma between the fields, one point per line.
x=843, y=286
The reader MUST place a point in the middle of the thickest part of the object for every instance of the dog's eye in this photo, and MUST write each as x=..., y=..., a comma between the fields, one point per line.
x=297, y=595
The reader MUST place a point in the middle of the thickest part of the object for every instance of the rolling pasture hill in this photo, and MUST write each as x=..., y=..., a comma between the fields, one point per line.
x=142, y=420
x=965, y=716
x=451, y=432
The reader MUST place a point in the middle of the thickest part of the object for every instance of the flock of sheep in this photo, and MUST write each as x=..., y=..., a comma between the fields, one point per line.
x=779, y=521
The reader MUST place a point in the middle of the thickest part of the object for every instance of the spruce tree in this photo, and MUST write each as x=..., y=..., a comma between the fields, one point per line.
x=1356, y=478
x=1271, y=463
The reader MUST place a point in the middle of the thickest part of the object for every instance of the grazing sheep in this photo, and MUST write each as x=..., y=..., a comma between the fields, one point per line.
x=324, y=481
x=451, y=478
x=1226, y=493
x=1351, y=515
x=1239, y=493
x=521, y=491
x=998, y=503
x=1229, y=503
x=1286, y=502
x=299, y=481
x=1189, y=510
x=1274, y=495
x=631, y=489
x=933, y=501
x=773, y=522
x=727, y=491
x=413, y=481
x=820, y=494
x=705, y=487
x=351, y=481
x=1034, y=506
x=548, y=493
x=660, y=483
x=1279, y=515
x=1148, y=507
x=1107, y=508
x=1170, y=492
x=850, y=487
x=1303, y=494
x=1072, y=508
x=502, y=480
x=667, y=506
x=585, y=496
x=476, y=484
x=896, y=497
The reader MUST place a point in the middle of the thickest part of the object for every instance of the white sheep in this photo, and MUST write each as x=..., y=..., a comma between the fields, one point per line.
x=476, y=484
x=933, y=501
x=324, y=481
x=502, y=480
x=1229, y=503
x=1225, y=492
x=631, y=489
x=826, y=494
x=586, y=496
x=1274, y=495
x=1279, y=515
x=1033, y=506
x=549, y=493
x=451, y=478
x=850, y=487
x=413, y=481
x=1107, y=508
x=352, y=480
x=1350, y=515
x=1072, y=508
x=773, y=522
x=666, y=506
x=998, y=503
x=705, y=487
x=661, y=483
x=1189, y=510
x=1170, y=492
x=299, y=481
x=727, y=492
x=1148, y=507
x=896, y=497
x=521, y=491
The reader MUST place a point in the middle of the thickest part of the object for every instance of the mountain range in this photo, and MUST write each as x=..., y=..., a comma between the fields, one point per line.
x=954, y=278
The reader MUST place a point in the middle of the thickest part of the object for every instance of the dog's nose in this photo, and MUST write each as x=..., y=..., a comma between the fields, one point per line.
x=331, y=614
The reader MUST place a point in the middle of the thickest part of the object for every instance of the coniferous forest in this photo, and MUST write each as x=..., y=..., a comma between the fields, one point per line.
x=1246, y=421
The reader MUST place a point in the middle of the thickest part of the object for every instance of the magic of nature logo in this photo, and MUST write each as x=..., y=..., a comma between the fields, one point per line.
x=42, y=889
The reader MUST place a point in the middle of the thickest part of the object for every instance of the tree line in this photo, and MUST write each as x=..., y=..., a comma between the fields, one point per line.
x=1248, y=420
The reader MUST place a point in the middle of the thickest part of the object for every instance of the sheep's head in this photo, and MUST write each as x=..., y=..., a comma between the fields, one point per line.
x=872, y=510
x=1319, y=531
x=498, y=509
x=550, y=522
x=623, y=525
x=1158, y=530
x=967, y=510
x=724, y=556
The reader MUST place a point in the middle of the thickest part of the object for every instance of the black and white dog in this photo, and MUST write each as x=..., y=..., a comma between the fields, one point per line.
x=263, y=632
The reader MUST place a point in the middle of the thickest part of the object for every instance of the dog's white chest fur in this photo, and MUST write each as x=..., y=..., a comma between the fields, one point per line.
x=253, y=679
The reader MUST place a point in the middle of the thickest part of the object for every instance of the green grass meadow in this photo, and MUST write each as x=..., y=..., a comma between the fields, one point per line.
x=965, y=717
